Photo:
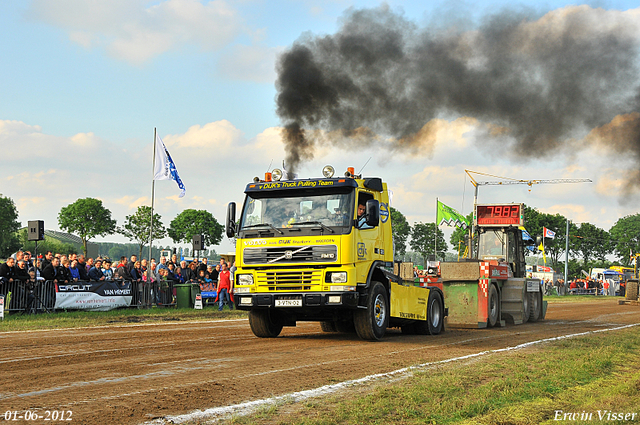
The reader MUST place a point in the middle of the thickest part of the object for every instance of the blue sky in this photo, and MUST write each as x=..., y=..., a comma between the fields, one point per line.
x=83, y=84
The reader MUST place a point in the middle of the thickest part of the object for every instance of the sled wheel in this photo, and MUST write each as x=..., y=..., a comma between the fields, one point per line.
x=493, y=305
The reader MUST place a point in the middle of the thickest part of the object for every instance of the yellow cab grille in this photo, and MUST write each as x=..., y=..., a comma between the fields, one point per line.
x=289, y=280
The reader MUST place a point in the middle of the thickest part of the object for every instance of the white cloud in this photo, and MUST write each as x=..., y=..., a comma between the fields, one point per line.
x=250, y=63
x=86, y=140
x=212, y=139
x=136, y=31
x=132, y=202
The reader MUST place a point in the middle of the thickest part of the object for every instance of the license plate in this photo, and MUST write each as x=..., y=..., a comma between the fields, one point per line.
x=289, y=303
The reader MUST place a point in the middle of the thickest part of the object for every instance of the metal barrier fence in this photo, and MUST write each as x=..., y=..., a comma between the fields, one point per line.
x=36, y=296
x=41, y=296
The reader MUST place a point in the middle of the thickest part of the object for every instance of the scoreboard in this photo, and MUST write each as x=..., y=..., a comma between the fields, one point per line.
x=499, y=215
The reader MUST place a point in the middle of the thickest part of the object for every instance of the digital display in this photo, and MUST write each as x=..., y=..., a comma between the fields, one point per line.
x=509, y=214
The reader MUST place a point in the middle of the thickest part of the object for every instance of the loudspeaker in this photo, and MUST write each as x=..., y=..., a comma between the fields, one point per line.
x=198, y=243
x=36, y=230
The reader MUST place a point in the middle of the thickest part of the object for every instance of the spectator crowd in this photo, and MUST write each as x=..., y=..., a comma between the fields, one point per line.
x=160, y=277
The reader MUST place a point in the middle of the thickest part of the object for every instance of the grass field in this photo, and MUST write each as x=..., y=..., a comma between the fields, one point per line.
x=578, y=298
x=600, y=372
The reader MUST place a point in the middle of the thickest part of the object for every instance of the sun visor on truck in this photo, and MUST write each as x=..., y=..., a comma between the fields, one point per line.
x=373, y=183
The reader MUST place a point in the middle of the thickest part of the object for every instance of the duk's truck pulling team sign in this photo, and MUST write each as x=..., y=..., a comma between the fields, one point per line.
x=322, y=250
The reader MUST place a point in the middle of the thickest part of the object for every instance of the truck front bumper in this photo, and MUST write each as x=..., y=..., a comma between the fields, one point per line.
x=305, y=300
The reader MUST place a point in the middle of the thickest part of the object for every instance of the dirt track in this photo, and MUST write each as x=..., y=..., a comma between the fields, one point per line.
x=133, y=373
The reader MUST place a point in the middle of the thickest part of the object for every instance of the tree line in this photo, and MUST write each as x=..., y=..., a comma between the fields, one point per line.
x=88, y=218
x=589, y=245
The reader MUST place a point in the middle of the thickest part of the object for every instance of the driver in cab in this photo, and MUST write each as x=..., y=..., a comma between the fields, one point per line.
x=496, y=249
x=361, y=221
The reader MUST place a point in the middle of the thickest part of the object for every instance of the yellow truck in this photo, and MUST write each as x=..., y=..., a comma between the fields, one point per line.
x=321, y=249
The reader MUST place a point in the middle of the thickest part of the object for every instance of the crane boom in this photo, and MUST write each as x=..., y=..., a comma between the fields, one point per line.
x=509, y=180
x=532, y=182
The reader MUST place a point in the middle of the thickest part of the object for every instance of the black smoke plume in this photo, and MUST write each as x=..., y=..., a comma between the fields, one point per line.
x=540, y=83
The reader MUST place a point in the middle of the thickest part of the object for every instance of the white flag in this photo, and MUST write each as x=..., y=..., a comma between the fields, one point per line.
x=548, y=233
x=165, y=168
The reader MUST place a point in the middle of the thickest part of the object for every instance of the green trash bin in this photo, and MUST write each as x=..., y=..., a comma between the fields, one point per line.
x=183, y=295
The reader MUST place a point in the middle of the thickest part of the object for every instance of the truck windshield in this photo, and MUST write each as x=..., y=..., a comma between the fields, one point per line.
x=298, y=212
x=492, y=244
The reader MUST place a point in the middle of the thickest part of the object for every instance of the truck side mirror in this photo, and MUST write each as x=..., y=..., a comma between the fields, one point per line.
x=231, y=220
x=373, y=212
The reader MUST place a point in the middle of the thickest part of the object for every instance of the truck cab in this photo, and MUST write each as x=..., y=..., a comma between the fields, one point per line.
x=504, y=245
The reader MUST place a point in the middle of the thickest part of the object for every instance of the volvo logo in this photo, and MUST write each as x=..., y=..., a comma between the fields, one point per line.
x=384, y=212
x=288, y=255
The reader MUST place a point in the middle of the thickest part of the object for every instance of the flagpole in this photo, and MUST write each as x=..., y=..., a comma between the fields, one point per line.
x=544, y=252
x=153, y=193
x=435, y=237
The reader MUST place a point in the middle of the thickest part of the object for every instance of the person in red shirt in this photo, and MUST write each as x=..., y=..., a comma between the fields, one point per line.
x=225, y=287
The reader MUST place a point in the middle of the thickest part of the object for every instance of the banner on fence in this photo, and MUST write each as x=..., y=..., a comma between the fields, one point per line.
x=2, y=307
x=97, y=296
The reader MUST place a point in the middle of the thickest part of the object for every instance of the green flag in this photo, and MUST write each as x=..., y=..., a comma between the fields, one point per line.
x=450, y=217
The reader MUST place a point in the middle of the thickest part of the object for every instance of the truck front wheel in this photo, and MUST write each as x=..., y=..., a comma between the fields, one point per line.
x=371, y=323
x=263, y=324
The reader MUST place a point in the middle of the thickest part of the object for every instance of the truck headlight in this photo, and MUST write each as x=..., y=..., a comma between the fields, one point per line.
x=338, y=277
x=244, y=279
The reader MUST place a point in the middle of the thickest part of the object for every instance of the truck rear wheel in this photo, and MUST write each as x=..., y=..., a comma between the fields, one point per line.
x=328, y=327
x=435, y=313
x=535, y=306
x=434, y=324
x=371, y=323
x=263, y=324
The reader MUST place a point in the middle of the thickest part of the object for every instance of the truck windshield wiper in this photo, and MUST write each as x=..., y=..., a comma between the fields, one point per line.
x=316, y=222
x=264, y=224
